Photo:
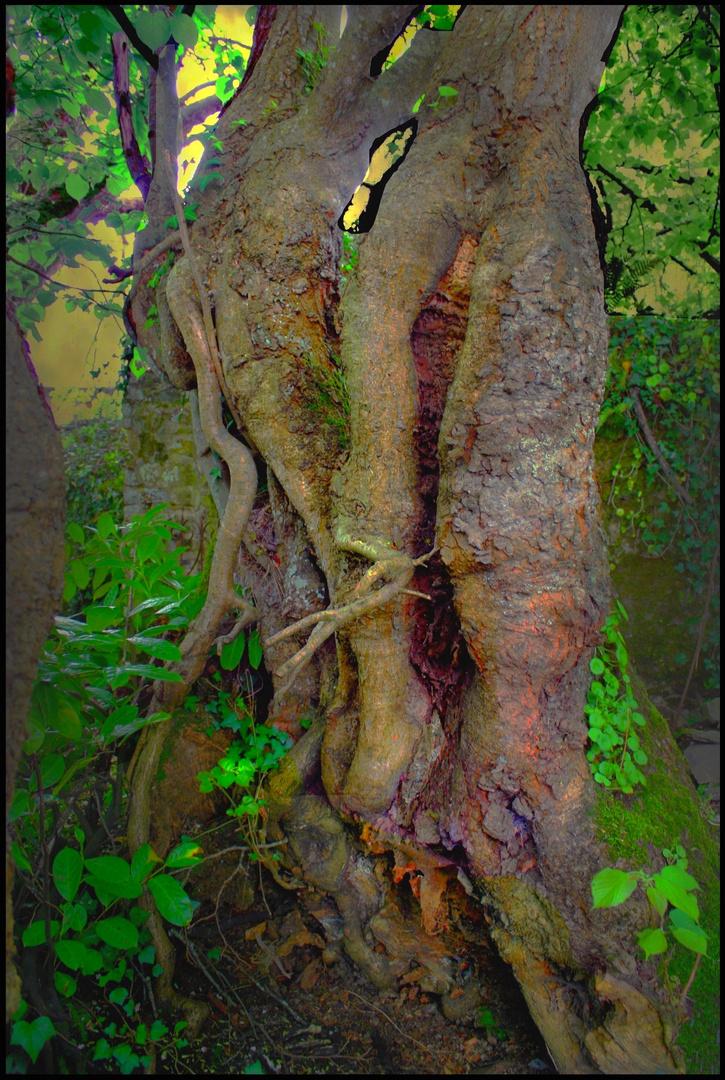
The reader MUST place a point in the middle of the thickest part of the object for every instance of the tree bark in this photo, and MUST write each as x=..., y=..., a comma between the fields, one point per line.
x=35, y=558
x=473, y=342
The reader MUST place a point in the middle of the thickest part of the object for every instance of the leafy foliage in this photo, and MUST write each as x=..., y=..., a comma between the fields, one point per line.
x=69, y=792
x=669, y=890
x=612, y=713
x=95, y=462
x=672, y=368
x=657, y=115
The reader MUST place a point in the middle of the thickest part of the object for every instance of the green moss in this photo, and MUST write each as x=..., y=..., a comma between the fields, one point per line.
x=662, y=814
x=150, y=449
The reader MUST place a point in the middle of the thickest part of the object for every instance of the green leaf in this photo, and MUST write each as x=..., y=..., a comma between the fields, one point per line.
x=100, y=618
x=447, y=91
x=71, y=953
x=187, y=853
x=652, y=940
x=657, y=900
x=254, y=649
x=184, y=30
x=171, y=900
x=76, y=532
x=232, y=652
x=161, y=650
x=153, y=28
x=676, y=895
x=35, y=933
x=611, y=886
x=143, y=862
x=687, y=932
x=33, y=1036
x=64, y=983
x=679, y=877
x=105, y=525
x=118, y=676
x=67, y=872
x=596, y=666
x=118, y=932
x=77, y=187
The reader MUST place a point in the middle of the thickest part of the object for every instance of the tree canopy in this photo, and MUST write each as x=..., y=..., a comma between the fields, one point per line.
x=79, y=140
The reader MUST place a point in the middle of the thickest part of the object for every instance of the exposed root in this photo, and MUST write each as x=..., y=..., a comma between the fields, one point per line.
x=197, y=329
x=330, y=620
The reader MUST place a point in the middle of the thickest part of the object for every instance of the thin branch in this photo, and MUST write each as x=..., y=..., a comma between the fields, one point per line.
x=655, y=448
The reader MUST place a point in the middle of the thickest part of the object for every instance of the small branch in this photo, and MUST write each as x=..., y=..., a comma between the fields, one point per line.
x=688, y=984
x=330, y=620
x=655, y=448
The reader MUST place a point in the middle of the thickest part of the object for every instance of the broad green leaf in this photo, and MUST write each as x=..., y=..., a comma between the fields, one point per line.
x=657, y=900
x=171, y=900
x=153, y=28
x=232, y=652
x=184, y=30
x=105, y=526
x=64, y=983
x=71, y=953
x=676, y=895
x=106, y=891
x=447, y=91
x=118, y=932
x=596, y=666
x=679, y=877
x=687, y=932
x=254, y=649
x=67, y=872
x=100, y=618
x=144, y=861
x=76, y=532
x=32, y=1036
x=77, y=187
x=187, y=853
x=76, y=916
x=35, y=933
x=161, y=650
x=653, y=941
x=611, y=887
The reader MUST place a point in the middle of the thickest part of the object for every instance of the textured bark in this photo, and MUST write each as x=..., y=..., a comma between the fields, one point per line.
x=472, y=338
x=35, y=520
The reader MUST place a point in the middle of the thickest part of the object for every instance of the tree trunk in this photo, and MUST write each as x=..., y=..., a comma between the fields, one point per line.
x=35, y=522
x=473, y=343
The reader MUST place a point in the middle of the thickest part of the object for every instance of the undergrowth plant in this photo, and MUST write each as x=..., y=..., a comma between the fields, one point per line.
x=131, y=601
x=613, y=714
x=664, y=485
x=669, y=892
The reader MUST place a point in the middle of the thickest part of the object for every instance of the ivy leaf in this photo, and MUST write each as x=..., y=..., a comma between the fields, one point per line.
x=32, y=1036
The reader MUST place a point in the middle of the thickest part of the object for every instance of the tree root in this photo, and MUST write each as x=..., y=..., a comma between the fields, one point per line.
x=330, y=620
x=199, y=337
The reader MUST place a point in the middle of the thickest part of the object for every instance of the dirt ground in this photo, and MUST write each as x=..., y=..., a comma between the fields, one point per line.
x=285, y=999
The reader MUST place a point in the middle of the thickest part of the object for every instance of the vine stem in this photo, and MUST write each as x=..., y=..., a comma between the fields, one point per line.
x=688, y=984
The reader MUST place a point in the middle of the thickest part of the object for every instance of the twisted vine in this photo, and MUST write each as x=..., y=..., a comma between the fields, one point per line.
x=196, y=326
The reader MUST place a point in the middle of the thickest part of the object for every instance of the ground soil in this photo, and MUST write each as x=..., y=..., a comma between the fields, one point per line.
x=283, y=995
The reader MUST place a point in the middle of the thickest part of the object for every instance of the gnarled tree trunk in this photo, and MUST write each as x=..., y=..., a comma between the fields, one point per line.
x=35, y=520
x=473, y=343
